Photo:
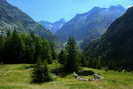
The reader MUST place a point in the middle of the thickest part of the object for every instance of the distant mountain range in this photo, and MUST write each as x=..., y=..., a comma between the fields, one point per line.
x=90, y=25
x=12, y=18
x=53, y=27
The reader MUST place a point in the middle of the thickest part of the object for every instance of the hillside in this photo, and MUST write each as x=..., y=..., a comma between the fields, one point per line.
x=13, y=18
x=91, y=24
x=18, y=77
x=53, y=27
x=115, y=46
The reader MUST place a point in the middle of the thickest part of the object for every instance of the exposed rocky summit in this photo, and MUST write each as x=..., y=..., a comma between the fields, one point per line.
x=91, y=24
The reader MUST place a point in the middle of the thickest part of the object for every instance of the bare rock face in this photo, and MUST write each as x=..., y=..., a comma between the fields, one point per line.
x=11, y=17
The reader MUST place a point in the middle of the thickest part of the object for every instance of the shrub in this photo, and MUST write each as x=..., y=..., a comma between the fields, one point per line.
x=40, y=73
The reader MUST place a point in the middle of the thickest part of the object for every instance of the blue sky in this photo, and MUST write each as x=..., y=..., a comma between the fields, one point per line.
x=53, y=10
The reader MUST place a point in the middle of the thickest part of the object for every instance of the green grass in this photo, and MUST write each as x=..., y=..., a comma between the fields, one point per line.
x=17, y=76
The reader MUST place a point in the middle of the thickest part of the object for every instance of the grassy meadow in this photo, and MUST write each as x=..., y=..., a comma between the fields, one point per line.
x=18, y=76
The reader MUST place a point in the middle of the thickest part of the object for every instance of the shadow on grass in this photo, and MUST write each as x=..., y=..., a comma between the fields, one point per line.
x=60, y=72
x=40, y=82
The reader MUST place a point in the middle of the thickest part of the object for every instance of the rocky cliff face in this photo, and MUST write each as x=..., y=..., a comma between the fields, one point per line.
x=13, y=18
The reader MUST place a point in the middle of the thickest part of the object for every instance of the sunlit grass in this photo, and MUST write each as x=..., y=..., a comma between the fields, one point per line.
x=17, y=76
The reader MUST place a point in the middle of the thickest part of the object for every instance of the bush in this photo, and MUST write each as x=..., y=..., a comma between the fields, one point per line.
x=40, y=73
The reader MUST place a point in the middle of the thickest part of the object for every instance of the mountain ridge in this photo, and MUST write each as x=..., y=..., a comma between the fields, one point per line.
x=115, y=46
x=12, y=18
x=53, y=26
x=95, y=21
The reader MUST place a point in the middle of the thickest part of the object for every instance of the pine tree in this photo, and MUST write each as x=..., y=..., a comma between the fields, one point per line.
x=43, y=50
x=2, y=41
x=62, y=57
x=14, y=48
x=29, y=48
x=72, y=62
x=40, y=73
x=54, y=55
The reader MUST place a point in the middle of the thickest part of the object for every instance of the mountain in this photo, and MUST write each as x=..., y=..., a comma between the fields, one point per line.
x=116, y=45
x=13, y=18
x=53, y=27
x=91, y=24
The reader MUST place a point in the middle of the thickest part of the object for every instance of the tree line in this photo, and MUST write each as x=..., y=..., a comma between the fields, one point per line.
x=18, y=47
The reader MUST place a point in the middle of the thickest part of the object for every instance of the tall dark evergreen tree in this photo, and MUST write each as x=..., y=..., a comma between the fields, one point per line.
x=62, y=57
x=14, y=48
x=72, y=61
x=52, y=46
x=2, y=42
x=29, y=48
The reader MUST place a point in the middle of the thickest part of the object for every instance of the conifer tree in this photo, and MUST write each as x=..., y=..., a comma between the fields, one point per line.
x=52, y=46
x=14, y=48
x=2, y=41
x=29, y=48
x=72, y=61
x=40, y=72
x=62, y=57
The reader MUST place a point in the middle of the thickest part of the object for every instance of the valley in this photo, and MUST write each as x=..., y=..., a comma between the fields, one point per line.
x=91, y=50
